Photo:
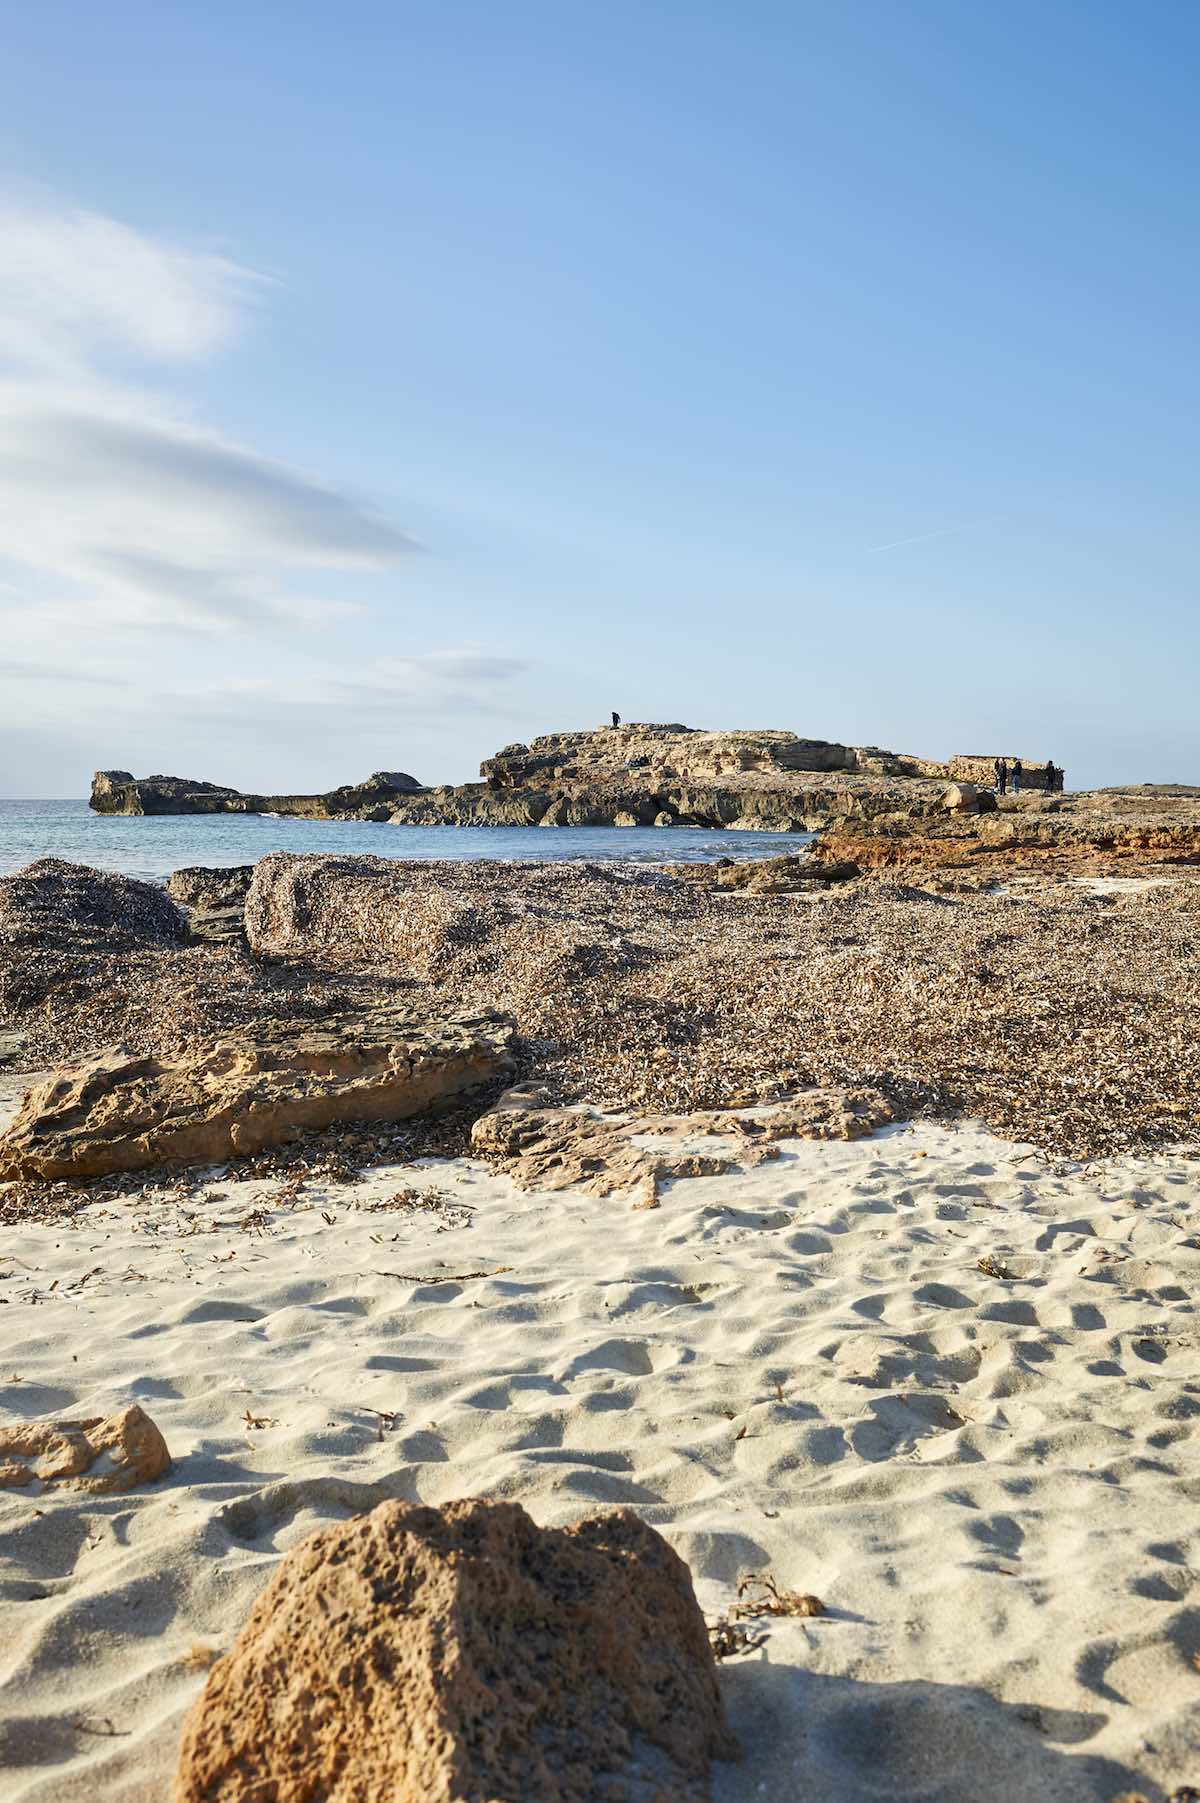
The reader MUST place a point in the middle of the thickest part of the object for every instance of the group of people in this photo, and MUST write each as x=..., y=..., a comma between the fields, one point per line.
x=1011, y=777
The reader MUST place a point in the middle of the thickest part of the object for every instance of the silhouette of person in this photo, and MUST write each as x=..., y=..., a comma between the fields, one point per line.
x=616, y=719
x=1017, y=774
x=1001, y=777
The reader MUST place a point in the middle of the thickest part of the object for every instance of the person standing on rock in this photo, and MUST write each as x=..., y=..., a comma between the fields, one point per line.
x=1017, y=774
x=1050, y=775
x=616, y=719
x=1001, y=777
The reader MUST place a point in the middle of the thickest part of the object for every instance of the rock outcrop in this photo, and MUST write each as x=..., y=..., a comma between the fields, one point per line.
x=633, y=775
x=980, y=769
x=464, y=1655
x=205, y=888
x=543, y=1147
x=683, y=754
x=1100, y=830
x=231, y=1096
x=768, y=876
x=97, y=1457
x=213, y=900
x=118, y=792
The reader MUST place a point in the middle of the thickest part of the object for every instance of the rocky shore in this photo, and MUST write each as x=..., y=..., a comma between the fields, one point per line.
x=1059, y=1013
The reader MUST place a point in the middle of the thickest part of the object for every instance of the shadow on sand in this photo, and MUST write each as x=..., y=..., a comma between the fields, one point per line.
x=805, y=1735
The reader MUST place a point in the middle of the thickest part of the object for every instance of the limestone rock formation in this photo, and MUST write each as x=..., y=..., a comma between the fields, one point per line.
x=980, y=769
x=117, y=792
x=203, y=887
x=768, y=876
x=236, y=1095
x=98, y=1457
x=543, y=1147
x=682, y=753
x=464, y=1655
x=214, y=901
x=661, y=775
x=961, y=798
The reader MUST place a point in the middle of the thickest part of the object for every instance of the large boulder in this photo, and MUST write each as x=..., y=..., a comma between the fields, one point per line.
x=464, y=1655
x=204, y=888
x=229, y=1096
x=98, y=1457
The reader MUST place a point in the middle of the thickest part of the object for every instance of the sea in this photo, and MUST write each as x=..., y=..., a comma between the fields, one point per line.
x=151, y=847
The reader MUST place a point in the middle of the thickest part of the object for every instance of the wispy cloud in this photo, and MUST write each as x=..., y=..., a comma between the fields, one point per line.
x=132, y=513
x=439, y=684
x=75, y=284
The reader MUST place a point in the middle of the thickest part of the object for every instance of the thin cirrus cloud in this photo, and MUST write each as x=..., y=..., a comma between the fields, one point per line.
x=109, y=499
x=438, y=684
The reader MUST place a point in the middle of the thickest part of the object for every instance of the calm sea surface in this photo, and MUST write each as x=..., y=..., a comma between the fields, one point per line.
x=153, y=847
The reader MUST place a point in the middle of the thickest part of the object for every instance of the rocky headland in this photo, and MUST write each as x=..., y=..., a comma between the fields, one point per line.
x=120, y=792
x=635, y=775
x=875, y=809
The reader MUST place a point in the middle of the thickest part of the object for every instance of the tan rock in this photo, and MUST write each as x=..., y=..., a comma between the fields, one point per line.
x=961, y=798
x=99, y=1456
x=121, y=1112
x=464, y=1655
x=548, y=1148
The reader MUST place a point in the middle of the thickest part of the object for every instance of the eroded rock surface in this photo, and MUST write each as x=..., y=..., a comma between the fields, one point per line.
x=542, y=1147
x=121, y=1112
x=98, y=1457
x=464, y=1655
x=119, y=792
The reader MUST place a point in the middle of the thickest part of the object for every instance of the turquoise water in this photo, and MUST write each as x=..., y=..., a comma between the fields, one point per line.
x=153, y=847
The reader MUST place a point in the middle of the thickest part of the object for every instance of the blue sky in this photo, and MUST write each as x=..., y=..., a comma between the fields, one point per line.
x=381, y=384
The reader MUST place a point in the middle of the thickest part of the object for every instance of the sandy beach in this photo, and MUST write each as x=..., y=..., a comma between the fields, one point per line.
x=987, y=1475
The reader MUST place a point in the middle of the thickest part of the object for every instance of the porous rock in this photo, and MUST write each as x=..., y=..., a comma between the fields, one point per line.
x=99, y=1457
x=542, y=1147
x=217, y=1098
x=464, y=1655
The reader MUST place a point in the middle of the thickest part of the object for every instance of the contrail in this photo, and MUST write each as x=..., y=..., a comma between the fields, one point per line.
x=920, y=537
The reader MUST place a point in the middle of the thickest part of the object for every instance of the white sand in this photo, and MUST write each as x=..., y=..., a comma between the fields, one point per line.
x=992, y=1484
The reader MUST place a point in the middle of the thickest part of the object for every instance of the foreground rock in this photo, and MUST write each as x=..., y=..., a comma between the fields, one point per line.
x=123, y=1112
x=464, y=1655
x=98, y=1457
x=543, y=1147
